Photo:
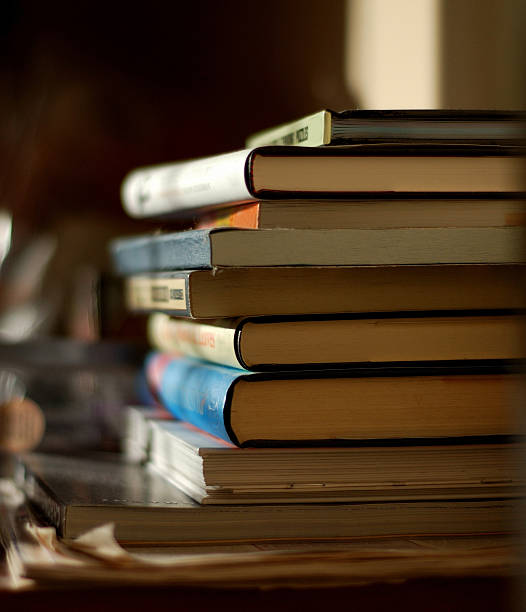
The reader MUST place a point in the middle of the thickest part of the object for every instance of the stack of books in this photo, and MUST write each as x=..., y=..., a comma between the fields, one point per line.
x=344, y=322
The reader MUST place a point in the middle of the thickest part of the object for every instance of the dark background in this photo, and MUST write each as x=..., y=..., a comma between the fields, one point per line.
x=92, y=90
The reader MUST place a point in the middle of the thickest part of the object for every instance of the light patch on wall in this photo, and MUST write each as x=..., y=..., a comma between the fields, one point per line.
x=392, y=54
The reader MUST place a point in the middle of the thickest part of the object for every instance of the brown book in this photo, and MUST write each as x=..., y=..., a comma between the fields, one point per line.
x=235, y=292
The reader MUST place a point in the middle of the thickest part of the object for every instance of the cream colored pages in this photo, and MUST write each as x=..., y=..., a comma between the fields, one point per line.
x=388, y=174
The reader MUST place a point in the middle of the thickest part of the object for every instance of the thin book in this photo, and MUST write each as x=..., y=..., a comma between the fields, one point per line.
x=328, y=127
x=367, y=214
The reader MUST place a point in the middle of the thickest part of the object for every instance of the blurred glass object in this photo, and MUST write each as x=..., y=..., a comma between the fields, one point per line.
x=6, y=224
x=11, y=386
x=26, y=308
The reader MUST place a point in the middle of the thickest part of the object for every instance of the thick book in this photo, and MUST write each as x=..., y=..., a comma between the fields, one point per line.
x=328, y=127
x=231, y=247
x=367, y=214
x=337, y=406
x=212, y=471
x=234, y=292
x=321, y=173
x=266, y=343
x=78, y=494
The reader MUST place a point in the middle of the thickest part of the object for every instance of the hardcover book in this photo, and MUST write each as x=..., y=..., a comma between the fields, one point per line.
x=267, y=343
x=79, y=494
x=212, y=471
x=337, y=406
x=229, y=247
x=321, y=173
x=328, y=127
x=231, y=292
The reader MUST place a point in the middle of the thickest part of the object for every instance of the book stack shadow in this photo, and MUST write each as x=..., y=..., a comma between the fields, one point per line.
x=337, y=336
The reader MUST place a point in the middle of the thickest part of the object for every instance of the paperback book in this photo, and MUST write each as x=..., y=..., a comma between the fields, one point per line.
x=212, y=471
x=328, y=127
x=78, y=494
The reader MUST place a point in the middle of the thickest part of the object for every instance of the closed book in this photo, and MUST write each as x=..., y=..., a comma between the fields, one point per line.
x=229, y=247
x=328, y=127
x=234, y=292
x=321, y=172
x=212, y=471
x=334, y=406
x=367, y=214
x=267, y=343
x=77, y=494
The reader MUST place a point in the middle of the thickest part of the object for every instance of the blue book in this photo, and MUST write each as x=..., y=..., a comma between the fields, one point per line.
x=231, y=248
x=337, y=406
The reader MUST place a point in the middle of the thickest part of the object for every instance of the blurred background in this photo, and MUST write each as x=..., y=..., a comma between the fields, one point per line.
x=92, y=90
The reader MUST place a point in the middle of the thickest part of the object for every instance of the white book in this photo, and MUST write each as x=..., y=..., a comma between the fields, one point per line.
x=316, y=173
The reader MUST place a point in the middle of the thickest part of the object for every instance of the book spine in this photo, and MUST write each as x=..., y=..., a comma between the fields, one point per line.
x=174, y=250
x=247, y=217
x=143, y=293
x=195, y=392
x=174, y=188
x=199, y=340
x=311, y=131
